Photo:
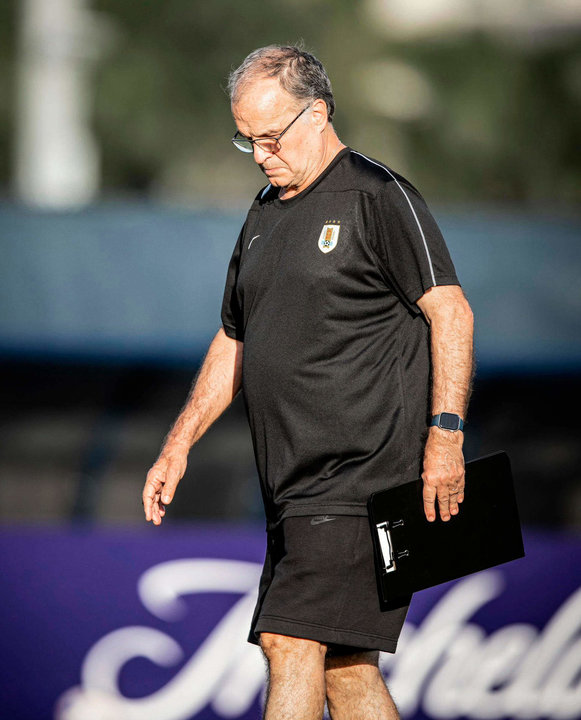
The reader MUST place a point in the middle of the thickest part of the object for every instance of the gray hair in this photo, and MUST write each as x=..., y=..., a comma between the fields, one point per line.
x=299, y=73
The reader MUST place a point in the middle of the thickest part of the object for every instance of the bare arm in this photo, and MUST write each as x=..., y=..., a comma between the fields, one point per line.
x=214, y=389
x=451, y=337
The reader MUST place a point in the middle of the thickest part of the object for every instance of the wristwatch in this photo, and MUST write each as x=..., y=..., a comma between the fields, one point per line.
x=448, y=421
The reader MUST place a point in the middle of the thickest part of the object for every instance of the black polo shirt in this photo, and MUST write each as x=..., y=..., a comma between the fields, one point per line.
x=321, y=288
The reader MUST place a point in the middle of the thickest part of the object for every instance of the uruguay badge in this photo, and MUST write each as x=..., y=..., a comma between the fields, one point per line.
x=328, y=238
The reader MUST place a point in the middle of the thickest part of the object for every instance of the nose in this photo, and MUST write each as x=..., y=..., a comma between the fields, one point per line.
x=260, y=155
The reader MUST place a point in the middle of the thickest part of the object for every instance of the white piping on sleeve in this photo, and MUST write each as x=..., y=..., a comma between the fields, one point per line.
x=411, y=208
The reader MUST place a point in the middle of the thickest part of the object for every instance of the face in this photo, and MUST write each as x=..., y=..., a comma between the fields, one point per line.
x=264, y=110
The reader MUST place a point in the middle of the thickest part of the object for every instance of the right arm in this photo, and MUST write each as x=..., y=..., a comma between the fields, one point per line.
x=216, y=386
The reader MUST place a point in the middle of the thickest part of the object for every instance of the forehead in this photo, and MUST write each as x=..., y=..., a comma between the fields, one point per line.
x=263, y=107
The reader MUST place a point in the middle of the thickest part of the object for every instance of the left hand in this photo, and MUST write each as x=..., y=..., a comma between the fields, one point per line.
x=443, y=473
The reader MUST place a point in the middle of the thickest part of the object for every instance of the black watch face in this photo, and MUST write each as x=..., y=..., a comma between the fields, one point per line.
x=449, y=421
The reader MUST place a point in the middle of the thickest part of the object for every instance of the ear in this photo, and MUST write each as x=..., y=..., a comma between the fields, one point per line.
x=319, y=114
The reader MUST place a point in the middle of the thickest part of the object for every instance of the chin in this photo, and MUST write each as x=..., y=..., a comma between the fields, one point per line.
x=277, y=179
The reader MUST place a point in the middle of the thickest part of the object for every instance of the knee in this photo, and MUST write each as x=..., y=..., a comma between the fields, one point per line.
x=280, y=647
x=273, y=645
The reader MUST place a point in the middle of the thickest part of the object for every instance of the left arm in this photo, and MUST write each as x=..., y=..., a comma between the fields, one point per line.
x=451, y=332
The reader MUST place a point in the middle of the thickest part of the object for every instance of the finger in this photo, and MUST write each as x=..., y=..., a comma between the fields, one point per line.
x=152, y=488
x=156, y=515
x=155, y=506
x=444, y=505
x=461, y=487
x=152, y=485
x=458, y=495
x=148, y=501
x=429, y=495
x=454, y=509
x=455, y=489
x=159, y=507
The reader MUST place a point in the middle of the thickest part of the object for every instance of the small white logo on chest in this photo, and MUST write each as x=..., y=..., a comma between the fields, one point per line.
x=328, y=238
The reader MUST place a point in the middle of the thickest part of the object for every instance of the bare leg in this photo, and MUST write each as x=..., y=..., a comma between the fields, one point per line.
x=356, y=690
x=296, y=677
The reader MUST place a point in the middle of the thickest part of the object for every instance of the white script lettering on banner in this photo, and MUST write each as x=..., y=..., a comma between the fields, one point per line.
x=447, y=666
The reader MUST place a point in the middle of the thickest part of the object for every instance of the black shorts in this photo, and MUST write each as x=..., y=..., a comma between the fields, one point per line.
x=318, y=583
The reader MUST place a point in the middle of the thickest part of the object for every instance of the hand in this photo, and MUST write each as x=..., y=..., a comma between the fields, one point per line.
x=443, y=473
x=162, y=481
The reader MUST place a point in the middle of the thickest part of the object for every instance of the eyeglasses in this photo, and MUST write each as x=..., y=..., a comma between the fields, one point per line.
x=268, y=144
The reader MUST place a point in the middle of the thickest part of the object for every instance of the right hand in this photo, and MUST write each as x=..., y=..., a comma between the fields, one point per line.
x=161, y=483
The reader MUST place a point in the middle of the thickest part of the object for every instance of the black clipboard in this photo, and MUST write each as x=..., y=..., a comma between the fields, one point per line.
x=412, y=554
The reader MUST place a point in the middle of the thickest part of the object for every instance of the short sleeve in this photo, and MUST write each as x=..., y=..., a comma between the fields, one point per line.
x=232, y=319
x=408, y=243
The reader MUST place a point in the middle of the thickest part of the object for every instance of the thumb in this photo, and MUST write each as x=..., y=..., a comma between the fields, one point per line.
x=173, y=475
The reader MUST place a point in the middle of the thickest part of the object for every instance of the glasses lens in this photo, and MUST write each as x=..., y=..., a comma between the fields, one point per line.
x=269, y=145
x=243, y=145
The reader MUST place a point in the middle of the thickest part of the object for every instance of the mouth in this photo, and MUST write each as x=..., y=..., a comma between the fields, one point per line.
x=270, y=170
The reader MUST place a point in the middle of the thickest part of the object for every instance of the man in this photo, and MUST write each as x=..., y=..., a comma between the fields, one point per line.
x=342, y=321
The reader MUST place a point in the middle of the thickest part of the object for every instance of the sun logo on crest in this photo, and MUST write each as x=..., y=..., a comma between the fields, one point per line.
x=329, y=237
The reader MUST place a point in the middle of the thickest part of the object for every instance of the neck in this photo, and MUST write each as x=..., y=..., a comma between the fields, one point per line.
x=331, y=146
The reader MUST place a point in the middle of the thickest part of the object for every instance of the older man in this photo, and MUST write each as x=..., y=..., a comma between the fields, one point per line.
x=345, y=326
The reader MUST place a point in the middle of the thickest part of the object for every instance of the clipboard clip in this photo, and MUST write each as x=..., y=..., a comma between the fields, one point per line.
x=388, y=557
x=385, y=547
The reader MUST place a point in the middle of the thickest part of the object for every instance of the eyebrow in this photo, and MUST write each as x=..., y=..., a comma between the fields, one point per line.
x=266, y=133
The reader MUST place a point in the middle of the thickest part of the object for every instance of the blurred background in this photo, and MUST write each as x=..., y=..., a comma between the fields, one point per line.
x=121, y=198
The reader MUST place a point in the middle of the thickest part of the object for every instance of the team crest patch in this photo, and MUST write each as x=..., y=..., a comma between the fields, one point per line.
x=329, y=238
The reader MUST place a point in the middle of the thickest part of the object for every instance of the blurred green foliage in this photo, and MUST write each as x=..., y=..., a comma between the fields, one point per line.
x=162, y=111
x=503, y=125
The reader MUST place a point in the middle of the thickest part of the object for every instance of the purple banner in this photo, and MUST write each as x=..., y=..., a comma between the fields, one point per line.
x=152, y=625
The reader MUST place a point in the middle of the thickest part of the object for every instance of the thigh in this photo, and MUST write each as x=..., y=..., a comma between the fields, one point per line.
x=275, y=646
x=350, y=658
x=321, y=585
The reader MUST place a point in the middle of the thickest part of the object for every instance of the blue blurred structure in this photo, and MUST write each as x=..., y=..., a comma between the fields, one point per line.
x=119, y=283
x=136, y=283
